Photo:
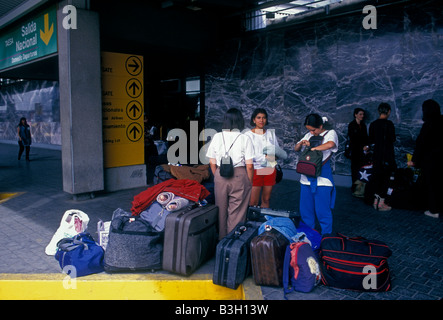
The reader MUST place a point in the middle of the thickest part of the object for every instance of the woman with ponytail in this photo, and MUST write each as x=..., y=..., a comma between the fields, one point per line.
x=317, y=195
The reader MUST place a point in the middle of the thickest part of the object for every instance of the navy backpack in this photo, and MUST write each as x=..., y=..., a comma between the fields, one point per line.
x=301, y=270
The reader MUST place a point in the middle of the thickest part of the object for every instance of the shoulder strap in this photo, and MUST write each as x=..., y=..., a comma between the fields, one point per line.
x=226, y=152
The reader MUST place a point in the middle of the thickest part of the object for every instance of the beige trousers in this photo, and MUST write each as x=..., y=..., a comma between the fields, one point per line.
x=232, y=198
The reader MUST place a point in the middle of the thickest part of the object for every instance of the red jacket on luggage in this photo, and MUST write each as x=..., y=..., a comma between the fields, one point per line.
x=185, y=188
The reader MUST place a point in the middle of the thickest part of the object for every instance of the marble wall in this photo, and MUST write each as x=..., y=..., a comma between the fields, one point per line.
x=331, y=67
x=39, y=102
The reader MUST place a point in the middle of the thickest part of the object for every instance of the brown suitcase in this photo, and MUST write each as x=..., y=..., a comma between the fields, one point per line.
x=267, y=256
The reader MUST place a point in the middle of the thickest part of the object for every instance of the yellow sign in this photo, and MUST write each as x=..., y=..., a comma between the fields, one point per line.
x=122, y=109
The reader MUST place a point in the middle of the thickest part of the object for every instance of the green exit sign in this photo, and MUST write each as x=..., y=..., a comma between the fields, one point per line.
x=32, y=39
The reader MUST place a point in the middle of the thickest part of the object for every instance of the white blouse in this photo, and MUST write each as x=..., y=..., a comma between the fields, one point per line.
x=241, y=150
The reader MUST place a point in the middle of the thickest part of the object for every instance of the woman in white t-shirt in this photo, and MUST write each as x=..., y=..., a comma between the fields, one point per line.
x=232, y=194
x=317, y=195
x=265, y=145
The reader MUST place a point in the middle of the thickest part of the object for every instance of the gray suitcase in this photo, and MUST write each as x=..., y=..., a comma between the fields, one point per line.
x=190, y=238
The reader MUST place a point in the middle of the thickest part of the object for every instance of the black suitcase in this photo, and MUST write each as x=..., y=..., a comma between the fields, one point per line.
x=258, y=214
x=267, y=257
x=232, y=259
x=190, y=239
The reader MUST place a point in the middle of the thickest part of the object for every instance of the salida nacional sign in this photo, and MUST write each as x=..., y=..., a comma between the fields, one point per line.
x=32, y=39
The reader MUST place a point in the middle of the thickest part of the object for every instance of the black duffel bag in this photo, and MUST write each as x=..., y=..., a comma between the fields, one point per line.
x=133, y=245
x=355, y=263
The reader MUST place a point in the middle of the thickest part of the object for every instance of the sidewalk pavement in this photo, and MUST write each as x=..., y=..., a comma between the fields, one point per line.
x=30, y=217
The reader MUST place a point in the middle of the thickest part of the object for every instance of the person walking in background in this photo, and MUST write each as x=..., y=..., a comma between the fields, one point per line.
x=381, y=140
x=266, y=151
x=358, y=144
x=428, y=155
x=232, y=194
x=317, y=195
x=24, y=138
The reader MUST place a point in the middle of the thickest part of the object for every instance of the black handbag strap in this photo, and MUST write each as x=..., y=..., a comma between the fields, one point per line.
x=226, y=152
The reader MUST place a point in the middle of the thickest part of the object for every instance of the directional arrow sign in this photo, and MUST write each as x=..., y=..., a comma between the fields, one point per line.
x=134, y=132
x=133, y=65
x=122, y=107
x=134, y=110
x=134, y=88
x=46, y=34
x=30, y=39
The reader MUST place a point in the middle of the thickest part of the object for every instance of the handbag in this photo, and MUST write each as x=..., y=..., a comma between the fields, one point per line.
x=311, y=161
x=226, y=165
x=133, y=245
x=278, y=173
x=82, y=253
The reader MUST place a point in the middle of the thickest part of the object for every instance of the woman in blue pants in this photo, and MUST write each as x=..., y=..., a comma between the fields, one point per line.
x=317, y=195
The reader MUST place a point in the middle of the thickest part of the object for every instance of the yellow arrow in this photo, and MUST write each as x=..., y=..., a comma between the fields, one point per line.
x=47, y=34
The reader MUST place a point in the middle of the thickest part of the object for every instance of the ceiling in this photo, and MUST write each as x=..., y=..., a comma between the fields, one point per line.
x=172, y=27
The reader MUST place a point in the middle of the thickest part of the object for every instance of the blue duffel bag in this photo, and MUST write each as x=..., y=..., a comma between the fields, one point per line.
x=81, y=254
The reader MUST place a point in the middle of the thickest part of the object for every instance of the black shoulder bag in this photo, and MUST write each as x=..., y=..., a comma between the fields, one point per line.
x=226, y=165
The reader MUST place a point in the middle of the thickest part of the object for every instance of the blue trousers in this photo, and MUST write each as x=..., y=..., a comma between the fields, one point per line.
x=317, y=205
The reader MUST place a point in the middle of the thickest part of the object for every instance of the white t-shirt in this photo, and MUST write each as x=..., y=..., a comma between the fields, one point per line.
x=241, y=150
x=331, y=135
x=268, y=139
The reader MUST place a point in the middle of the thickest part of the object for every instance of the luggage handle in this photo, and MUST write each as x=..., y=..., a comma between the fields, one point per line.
x=240, y=230
x=68, y=244
x=362, y=239
x=130, y=220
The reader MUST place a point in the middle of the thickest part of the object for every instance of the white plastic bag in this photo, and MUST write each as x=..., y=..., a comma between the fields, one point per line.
x=73, y=222
x=103, y=233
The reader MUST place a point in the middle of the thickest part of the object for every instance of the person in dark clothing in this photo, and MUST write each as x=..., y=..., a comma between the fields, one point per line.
x=381, y=139
x=24, y=138
x=428, y=155
x=358, y=143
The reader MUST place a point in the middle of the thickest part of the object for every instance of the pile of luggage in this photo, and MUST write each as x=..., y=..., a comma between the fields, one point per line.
x=171, y=227
x=285, y=252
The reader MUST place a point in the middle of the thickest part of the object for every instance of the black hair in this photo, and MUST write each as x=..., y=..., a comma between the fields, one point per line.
x=314, y=120
x=431, y=110
x=255, y=113
x=357, y=110
x=21, y=119
x=233, y=120
x=384, y=108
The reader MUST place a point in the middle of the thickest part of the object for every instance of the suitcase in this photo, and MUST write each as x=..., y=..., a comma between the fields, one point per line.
x=232, y=258
x=258, y=214
x=355, y=263
x=267, y=257
x=190, y=239
x=133, y=245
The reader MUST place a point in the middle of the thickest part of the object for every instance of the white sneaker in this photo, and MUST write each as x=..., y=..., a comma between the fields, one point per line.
x=433, y=215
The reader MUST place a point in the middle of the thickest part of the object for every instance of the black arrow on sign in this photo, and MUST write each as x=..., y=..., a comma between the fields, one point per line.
x=135, y=130
x=134, y=110
x=134, y=87
x=135, y=65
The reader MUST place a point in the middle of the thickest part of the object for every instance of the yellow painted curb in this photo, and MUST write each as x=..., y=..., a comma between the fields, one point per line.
x=5, y=196
x=121, y=287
